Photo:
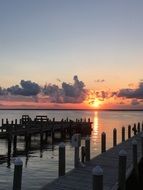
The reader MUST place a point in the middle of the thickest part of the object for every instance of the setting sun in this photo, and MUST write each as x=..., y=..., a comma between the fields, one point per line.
x=96, y=103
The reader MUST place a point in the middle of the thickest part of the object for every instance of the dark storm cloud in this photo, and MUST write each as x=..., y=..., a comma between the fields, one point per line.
x=26, y=88
x=68, y=93
x=132, y=93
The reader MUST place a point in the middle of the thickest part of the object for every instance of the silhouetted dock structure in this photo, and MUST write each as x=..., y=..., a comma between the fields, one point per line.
x=43, y=125
x=47, y=130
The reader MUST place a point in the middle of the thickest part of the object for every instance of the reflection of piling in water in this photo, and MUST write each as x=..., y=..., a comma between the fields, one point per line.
x=46, y=137
x=9, y=139
x=14, y=145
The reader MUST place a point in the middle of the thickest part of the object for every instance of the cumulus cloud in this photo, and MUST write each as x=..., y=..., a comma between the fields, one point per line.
x=135, y=102
x=132, y=93
x=26, y=88
x=3, y=91
x=68, y=93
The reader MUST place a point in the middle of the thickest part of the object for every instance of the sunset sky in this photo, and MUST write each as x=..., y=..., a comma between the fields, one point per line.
x=71, y=54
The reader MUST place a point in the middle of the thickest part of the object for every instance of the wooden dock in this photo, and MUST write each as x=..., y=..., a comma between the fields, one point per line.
x=43, y=125
x=81, y=178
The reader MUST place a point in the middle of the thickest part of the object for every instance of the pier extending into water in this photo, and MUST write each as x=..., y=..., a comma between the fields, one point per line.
x=120, y=167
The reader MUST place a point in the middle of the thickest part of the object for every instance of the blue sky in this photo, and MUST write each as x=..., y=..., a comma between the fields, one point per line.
x=49, y=39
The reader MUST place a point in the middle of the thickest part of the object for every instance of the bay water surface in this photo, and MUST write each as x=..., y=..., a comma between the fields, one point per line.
x=40, y=168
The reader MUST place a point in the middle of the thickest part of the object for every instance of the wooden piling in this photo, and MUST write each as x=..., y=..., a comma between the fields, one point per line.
x=122, y=170
x=17, y=180
x=62, y=159
x=2, y=122
x=97, y=178
x=142, y=145
x=114, y=137
x=138, y=127
x=76, y=143
x=134, y=129
x=76, y=157
x=123, y=134
x=103, y=142
x=87, y=148
x=15, y=121
x=135, y=158
x=129, y=131
x=83, y=154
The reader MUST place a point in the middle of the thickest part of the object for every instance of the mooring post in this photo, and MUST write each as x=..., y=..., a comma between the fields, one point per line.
x=129, y=131
x=88, y=120
x=141, y=162
x=83, y=154
x=15, y=121
x=97, y=178
x=7, y=121
x=17, y=180
x=138, y=127
x=2, y=122
x=76, y=143
x=62, y=159
x=142, y=126
x=123, y=134
x=114, y=137
x=134, y=129
x=87, y=148
x=122, y=169
x=76, y=157
x=103, y=142
x=142, y=145
x=135, y=158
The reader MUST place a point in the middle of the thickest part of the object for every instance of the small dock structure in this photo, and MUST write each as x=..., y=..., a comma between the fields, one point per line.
x=43, y=125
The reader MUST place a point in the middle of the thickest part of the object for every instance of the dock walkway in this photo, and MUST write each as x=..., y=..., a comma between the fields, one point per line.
x=81, y=177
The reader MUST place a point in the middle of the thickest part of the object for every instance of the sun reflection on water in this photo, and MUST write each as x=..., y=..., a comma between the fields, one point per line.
x=95, y=132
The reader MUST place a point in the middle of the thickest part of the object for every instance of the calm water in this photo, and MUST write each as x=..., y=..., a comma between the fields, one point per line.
x=41, y=168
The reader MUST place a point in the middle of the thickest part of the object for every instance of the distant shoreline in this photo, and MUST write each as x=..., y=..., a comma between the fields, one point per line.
x=41, y=109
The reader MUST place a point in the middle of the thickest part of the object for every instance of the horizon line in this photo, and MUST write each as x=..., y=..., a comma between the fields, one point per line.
x=68, y=109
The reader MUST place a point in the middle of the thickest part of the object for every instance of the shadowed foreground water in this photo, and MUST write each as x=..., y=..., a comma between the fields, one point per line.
x=39, y=168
